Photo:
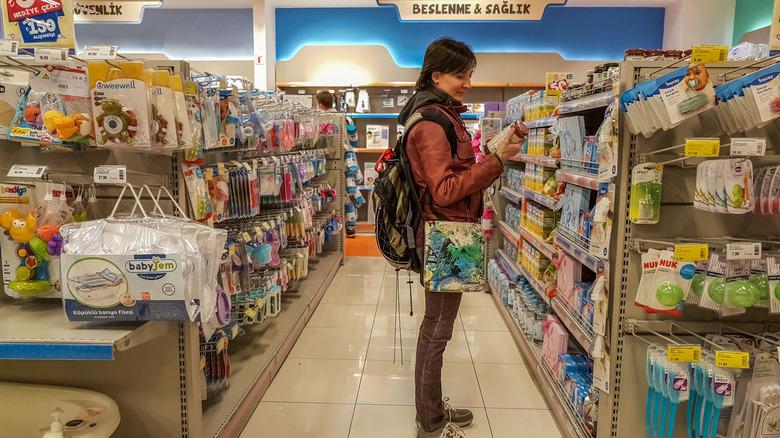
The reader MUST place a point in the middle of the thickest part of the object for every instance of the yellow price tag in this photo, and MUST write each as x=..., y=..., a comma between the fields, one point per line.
x=732, y=359
x=20, y=131
x=190, y=88
x=260, y=303
x=250, y=312
x=702, y=147
x=684, y=353
x=209, y=173
x=246, y=236
x=231, y=250
x=202, y=362
x=691, y=253
x=220, y=344
x=258, y=231
x=221, y=168
x=710, y=54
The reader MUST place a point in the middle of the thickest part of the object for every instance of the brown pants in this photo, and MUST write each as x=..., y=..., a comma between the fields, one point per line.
x=441, y=309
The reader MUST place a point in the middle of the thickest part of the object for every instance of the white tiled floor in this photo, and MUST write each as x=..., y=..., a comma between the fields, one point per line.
x=340, y=380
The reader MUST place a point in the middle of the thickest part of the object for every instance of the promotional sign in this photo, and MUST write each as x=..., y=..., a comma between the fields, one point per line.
x=90, y=11
x=39, y=22
x=470, y=10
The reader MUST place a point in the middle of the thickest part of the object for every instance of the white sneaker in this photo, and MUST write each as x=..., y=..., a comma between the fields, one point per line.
x=450, y=430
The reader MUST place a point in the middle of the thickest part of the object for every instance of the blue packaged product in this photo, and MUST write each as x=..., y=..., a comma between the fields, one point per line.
x=587, y=312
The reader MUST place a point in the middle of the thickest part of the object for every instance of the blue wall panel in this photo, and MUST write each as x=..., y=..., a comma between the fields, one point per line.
x=194, y=34
x=575, y=33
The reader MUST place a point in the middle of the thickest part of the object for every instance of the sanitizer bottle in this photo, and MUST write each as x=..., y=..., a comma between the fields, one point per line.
x=56, y=426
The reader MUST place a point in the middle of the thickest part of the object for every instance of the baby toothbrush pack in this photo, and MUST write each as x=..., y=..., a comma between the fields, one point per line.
x=120, y=99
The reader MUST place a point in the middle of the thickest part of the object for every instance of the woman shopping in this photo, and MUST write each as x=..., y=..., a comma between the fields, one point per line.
x=450, y=185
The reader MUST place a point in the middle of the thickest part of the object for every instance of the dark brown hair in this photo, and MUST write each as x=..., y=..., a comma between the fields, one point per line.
x=325, y=98
x=447, y=56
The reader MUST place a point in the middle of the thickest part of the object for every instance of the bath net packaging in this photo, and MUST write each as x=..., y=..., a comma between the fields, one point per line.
x=130, y=268
x=55, y=109
x=120, y=103
x=454, y=257
x=40, y=22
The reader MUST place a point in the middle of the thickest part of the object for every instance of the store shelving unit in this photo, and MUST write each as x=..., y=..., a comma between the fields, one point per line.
x=592, y=262
x=595, y=101
x=545, y=200
x=38, y=344
x=511, y=195
x=678, y=219
x=579, y=330
x=39, y=330
x=561, y=409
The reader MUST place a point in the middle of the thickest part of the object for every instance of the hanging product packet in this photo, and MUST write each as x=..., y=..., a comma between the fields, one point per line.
x=13, y=85
x=183, y=126
x=164, y=128
x=194, y=119
x=649, y=268
x=740, y=293
x=120, y=104
x=197, y=189
x=697, y=284
x=671, y=284
x=714, y=292
x=645, y=204
x=772, y=263
x=40, y=22
x=18, y=203
x=55, y=109
x=760, y=279
x=738, y=180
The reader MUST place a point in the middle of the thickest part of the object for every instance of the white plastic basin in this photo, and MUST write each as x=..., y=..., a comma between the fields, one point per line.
x=25, y=409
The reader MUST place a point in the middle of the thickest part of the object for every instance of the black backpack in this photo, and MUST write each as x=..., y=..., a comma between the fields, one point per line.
x=397, y=207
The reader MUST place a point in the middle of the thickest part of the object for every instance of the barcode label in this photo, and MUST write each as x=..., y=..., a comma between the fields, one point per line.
x=9, y=47
x=100, y=52
x=743, y=251
x=25, y=171
x=111, y=175
x=51, y=56
x=748, y=147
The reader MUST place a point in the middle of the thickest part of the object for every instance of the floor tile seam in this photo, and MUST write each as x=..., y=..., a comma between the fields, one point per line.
x=363, y=369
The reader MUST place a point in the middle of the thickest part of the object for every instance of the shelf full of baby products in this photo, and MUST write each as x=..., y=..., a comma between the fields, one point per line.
x=509, y=233
x=544, y=343
x=541, y=123
x=39, y=330
x=593, y=263
x=511, y=195
x=537, y=159
x=542, y=199
x=587, y=103
x=575, y=323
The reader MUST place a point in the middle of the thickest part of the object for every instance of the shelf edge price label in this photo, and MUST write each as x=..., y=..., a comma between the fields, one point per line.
x=100, y=52
x=732, y=359
x=9, y=47
x=691, y=253
x=702, y=147
x=250, y=312
x=743, y=251
x=684, y=353
x=710, y=54
x=26, y=171
x=51, y=56
x=220, y=345
x=110, y=174
x=748, y=147
x=202, y=362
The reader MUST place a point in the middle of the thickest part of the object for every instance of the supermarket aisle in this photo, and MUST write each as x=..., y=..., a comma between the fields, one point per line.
x=340, y=380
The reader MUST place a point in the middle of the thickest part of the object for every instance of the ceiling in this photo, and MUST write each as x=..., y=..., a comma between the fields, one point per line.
x=247, y=4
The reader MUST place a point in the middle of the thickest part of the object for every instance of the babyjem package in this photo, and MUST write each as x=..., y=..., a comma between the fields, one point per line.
x=163, y=112
x=39, y=22
x=13, y=84
x=55, y=108
x=120, y=104
x=670, y=285
x=140, y=268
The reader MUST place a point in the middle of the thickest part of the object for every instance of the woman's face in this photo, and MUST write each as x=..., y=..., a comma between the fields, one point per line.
x=455, y=84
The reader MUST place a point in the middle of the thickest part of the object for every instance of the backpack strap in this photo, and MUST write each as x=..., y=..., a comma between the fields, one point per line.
x=434, y=115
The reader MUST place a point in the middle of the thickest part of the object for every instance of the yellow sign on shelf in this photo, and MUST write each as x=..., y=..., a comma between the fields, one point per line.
x=702, y=147
x=732, y=359
x=684, y=353
x=710, y=54
x=691, y=253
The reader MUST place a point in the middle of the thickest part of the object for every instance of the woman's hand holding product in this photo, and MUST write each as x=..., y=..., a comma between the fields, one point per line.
x=510, y=146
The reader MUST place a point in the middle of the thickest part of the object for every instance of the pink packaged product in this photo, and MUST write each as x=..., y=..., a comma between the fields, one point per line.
x=556, y=341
